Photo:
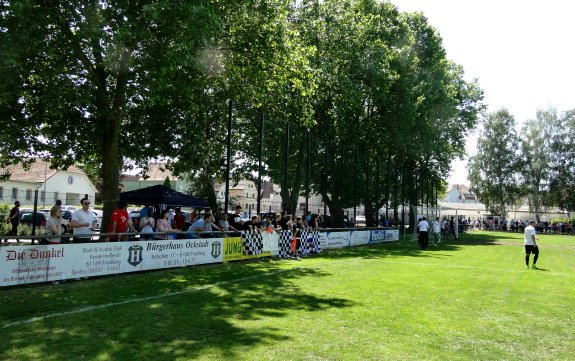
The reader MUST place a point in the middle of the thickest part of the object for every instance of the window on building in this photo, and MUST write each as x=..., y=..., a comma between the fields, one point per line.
x=28, y=194
x=43, y=195
x=14, y=193
x=1, y=192
x=55, y=196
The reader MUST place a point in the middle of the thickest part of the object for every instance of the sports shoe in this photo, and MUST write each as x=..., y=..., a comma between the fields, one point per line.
x=534, y=266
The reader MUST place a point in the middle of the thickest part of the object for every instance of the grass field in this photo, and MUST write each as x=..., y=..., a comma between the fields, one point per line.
x=469, y=300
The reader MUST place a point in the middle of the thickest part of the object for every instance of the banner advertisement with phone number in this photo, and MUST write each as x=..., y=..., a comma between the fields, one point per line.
x=44, y=263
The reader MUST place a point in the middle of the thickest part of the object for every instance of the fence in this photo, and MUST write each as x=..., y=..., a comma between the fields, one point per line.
x=43, y=263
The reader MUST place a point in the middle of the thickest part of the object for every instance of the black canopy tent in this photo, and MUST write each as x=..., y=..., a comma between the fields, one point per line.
x=160, y=194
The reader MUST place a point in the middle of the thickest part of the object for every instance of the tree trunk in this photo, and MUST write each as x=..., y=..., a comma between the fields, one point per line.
x=111, y=158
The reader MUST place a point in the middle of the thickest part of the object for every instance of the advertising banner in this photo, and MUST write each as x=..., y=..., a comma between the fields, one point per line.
x=39, y=263
x=42, y=263
x=234, y=250
x=337, y=239
x=383, y=235
x=359, y=238
x=391, y=235
x=271, y=243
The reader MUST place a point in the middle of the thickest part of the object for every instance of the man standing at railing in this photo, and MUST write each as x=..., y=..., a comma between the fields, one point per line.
x=120, y=222
x=82, y=222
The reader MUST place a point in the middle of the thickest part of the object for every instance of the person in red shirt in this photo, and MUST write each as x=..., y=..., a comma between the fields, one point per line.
x=120, y=222
x=179, y=222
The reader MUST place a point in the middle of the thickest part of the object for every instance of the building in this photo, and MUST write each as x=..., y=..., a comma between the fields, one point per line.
x=156, y=174
x=245, y=192
x=459, y=193
x=461, y=202
x=69, y=185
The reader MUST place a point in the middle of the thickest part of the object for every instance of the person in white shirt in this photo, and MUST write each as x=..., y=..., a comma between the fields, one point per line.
x=423, y=233
x=531, y=244
x=82, y=222
x=436, y=231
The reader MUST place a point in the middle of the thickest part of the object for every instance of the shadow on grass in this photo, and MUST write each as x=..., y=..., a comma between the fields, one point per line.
x=182, y=313
x=178, y=314
x=408, y=246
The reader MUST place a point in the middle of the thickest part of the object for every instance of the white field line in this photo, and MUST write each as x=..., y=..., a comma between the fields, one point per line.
x=140, y=299
x=164, y=295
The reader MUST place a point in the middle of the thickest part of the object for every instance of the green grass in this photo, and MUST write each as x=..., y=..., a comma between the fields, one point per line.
x=469, y=300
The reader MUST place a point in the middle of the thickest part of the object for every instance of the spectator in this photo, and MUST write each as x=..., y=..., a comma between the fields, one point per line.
x=120, y=222
x=452, y=227
x=225, y=225
x=171, y=215
x=163, y=225
x=201, y=227
x=179, y=222
x=307, y=219
x=83, y=222
x=423, y=228
x=276, y=222
x=284, y=221
x=236, y=220
x=58, y=204
x=267, y=222
x=436, y=231
x=193, y=216
x=218, y=215
x=54, y=225
x=314, y=222
x=14, y=218
x=299, y=227
x=145, y=210
x=147, y=225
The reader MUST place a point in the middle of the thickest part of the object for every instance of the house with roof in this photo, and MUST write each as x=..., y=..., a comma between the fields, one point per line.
x=22, y=183
x=460, y=193
x=155, y=174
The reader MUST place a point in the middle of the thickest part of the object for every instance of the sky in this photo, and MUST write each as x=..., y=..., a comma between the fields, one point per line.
x=521, y=53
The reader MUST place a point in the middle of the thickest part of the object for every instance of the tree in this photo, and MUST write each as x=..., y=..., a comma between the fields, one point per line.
x=562, y=162
x=493, y=170
x=536, y=154
x=167, y=182
x=84, y=77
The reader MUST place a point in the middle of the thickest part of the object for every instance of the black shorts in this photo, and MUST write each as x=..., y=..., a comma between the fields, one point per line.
x=531, y=249
x=297, y=243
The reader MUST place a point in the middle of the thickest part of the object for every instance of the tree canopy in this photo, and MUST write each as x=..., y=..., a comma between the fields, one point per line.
x=101, y=82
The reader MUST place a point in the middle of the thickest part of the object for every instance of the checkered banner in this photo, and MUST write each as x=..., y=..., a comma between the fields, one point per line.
x=252, y=242
x=309, y=243
x=284, y=241
x=313, y=240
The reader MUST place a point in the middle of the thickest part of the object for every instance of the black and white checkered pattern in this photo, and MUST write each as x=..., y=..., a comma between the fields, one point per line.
x=285, y=240
x=315, y=242
x=252, y=242
x=303, y=249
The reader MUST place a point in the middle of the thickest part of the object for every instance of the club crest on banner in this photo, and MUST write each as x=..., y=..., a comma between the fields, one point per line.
x=216, y=249
x=135, y=255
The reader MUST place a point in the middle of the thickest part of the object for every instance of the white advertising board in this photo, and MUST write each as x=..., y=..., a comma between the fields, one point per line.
x=337, y=239
x=31, y=264
x=359, y=238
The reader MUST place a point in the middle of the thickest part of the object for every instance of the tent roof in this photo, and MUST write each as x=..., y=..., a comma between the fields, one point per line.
x=159, y=194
